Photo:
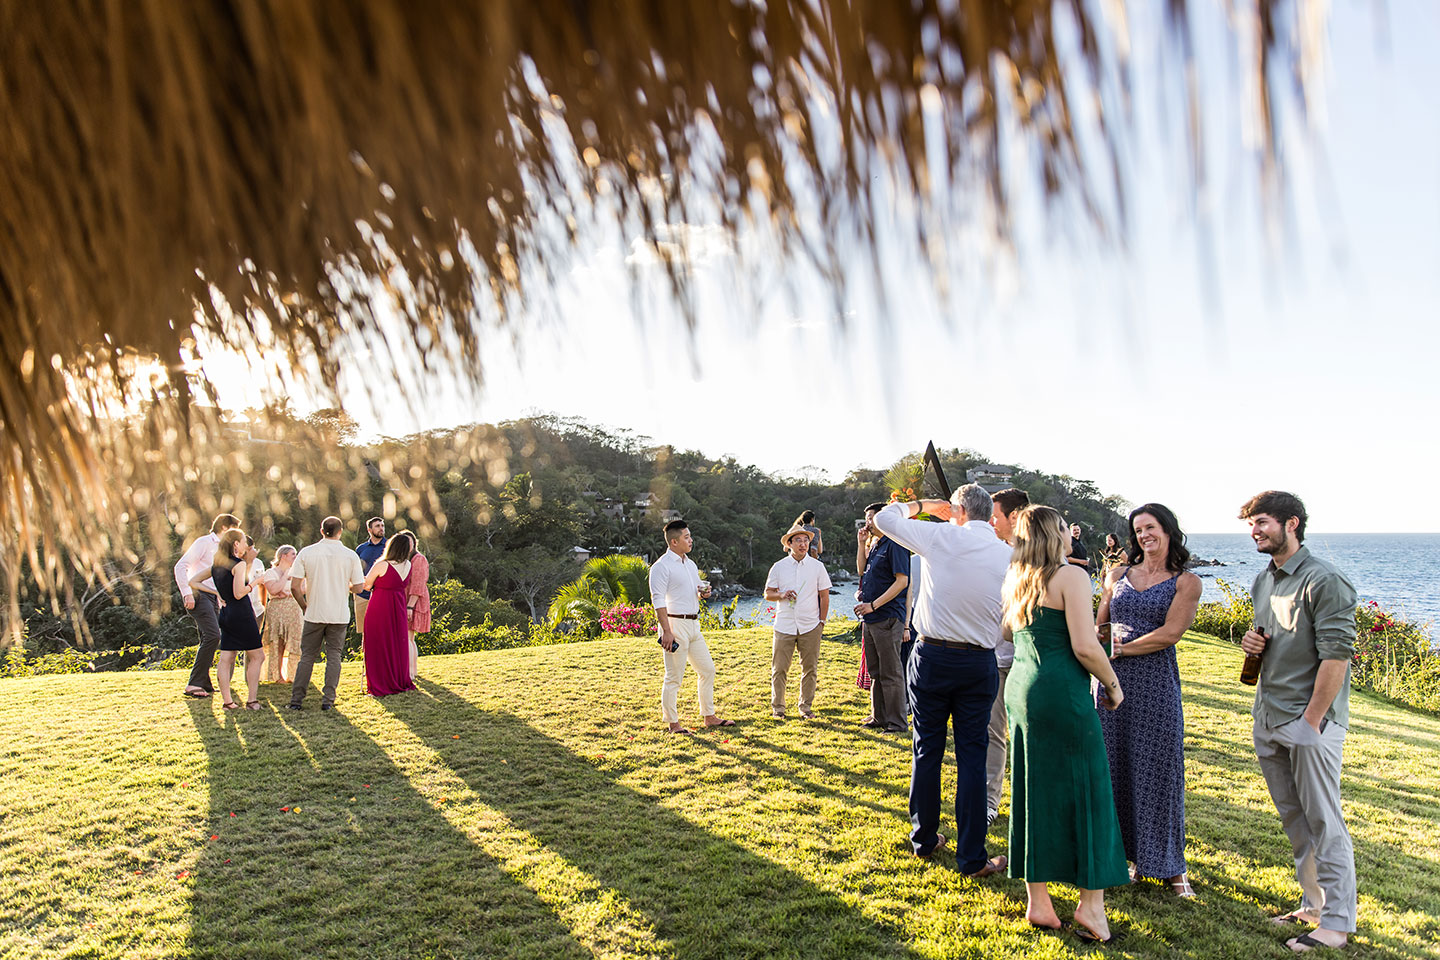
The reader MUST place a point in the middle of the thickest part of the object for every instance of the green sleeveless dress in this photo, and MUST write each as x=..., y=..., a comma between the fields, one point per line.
x=1063, y=825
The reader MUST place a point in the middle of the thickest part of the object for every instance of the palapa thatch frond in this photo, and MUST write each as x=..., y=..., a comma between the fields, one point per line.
x=286, y=176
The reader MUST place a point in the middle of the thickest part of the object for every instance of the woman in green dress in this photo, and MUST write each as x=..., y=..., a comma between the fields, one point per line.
x=1063, y=826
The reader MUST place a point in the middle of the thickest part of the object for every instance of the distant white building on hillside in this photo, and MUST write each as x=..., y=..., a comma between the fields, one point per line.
x=993, y=477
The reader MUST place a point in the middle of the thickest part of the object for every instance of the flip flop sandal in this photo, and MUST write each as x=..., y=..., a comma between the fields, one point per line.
x=1309, y=943
x=723, y=723
x=197, y=694
x=1084, y=933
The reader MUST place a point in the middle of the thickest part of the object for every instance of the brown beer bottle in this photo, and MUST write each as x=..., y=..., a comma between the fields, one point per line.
x=1250, y=671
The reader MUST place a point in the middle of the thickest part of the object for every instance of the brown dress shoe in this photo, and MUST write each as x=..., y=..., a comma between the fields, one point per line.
x=992, y=866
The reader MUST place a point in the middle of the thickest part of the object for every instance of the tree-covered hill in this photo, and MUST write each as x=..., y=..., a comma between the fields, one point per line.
x=506, y=522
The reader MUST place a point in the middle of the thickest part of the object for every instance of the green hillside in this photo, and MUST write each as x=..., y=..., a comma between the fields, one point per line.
x=526, y=803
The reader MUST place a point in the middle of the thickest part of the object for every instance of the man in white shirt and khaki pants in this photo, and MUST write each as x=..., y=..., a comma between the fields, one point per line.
x=322, y=578
x=799, y=586
x=675, y=590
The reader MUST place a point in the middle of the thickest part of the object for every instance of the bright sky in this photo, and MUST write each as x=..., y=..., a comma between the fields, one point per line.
x=1191, y=371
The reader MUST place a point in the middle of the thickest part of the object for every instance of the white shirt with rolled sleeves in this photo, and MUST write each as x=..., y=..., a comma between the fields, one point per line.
x=959, y=589
x=675, y=584
x=807, y=577
x=199, y=556
x=329, y=569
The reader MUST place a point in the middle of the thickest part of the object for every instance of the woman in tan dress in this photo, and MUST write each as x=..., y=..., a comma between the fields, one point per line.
x=283, y=619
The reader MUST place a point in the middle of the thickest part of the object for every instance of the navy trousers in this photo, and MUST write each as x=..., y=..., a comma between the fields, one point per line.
x=951, y=686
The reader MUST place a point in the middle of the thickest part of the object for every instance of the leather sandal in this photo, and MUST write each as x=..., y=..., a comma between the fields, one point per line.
x=252, y=705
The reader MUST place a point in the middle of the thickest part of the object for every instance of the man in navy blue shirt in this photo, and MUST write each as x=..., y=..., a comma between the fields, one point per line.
x=370, y=550
x=884, y=568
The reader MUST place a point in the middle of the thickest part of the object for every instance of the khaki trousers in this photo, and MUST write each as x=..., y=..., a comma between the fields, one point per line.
x=995, y=753
x=361, y=603
x=330, y=636
x=1302, y=770
x=781, y=655
x=690, y=646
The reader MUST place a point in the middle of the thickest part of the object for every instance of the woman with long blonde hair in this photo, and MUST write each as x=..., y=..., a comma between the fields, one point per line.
x=1063, y=826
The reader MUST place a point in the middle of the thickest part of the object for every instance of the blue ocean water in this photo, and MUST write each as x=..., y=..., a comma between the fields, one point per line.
x=1399, y=570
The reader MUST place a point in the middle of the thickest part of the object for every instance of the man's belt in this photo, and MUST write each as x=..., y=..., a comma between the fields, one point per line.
x=952, y=644
x=683, y=616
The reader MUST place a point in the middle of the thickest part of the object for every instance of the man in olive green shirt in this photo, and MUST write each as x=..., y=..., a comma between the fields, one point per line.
x=1306, y=610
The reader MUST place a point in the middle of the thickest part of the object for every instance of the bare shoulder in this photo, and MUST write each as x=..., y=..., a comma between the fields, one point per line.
x=1189, y=583
x=1069, y=576
x=1116, y=574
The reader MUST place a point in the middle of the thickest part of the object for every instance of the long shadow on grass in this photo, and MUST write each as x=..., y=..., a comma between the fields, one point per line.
x=360, y=866
x=707, y=895
x=1406, y=884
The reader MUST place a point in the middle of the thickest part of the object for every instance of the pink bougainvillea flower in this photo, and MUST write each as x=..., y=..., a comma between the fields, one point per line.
x=214, y=836
x=232, y=813
x=182, y=874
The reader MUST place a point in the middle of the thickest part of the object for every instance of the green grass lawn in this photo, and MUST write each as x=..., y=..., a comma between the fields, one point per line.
x=527, y=803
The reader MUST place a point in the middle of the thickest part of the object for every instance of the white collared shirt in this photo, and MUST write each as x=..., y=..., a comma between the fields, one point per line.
x=257, y=570
x=959, y=591
x=329, y=569
x=675, y=584
x=808, y=578
x=199, y=556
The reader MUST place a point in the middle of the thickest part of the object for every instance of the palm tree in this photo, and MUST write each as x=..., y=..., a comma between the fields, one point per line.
x=603, y=582
x=280, y=176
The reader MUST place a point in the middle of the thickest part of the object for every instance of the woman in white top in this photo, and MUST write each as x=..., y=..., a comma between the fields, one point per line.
x=284, y=620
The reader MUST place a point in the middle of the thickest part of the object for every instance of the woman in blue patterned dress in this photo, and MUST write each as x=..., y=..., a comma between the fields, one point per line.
x=1150, y=602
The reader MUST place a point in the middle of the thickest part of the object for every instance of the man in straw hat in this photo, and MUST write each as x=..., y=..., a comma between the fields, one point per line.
x=676, y=589
x=952, y=673
x=799, y=587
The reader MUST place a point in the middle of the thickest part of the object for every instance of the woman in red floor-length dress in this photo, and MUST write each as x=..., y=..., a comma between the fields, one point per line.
x=387, y=635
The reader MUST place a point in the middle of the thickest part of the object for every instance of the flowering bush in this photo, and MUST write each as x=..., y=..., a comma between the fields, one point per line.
x=624, y=619
x=1393, y=656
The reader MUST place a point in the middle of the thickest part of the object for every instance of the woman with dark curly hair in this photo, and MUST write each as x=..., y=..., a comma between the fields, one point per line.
x=1150, y=601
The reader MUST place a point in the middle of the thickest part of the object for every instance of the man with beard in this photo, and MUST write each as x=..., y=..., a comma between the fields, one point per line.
x=1305, y=628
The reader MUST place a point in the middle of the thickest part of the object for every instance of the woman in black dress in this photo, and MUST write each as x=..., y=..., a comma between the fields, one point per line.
x=239, y=630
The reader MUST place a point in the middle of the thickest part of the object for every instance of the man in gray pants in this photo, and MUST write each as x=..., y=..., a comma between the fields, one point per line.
x=1305, y=628
x=203, y=609
x=322, y=577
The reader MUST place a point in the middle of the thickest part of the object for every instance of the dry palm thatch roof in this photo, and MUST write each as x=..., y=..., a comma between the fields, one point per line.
x=284, y=174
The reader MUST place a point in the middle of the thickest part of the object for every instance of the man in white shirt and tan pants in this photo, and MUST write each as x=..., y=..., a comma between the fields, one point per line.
x=322, y=578
x=952, y=672
x=799, y=586
x=675, y=590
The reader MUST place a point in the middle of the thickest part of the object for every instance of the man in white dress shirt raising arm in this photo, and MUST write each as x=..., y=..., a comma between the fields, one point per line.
x=675, y=589
x=799, y=586
x=952, y=673
x=203, y=609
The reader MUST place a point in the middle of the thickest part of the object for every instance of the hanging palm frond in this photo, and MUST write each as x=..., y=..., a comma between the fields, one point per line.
x=290, y=178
